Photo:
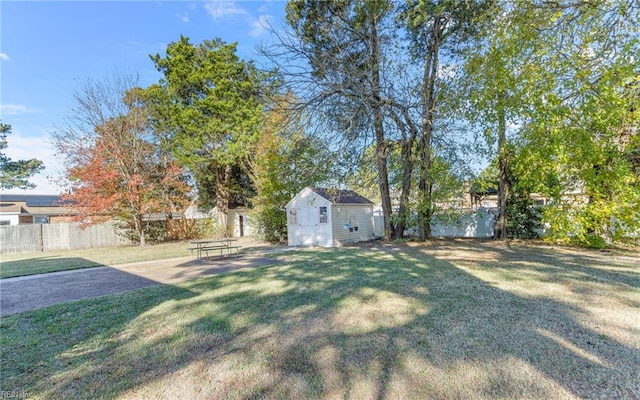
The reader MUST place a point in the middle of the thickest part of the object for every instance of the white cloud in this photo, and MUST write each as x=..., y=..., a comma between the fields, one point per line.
x=15, y=109
x=4, y=57
x=44, y=185
x=20, y=147
x=222, y=9
x=184, y=17
x=260, y=25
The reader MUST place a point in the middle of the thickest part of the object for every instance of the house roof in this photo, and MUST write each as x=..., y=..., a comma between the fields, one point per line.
x=35, y=200
x=12, y=207
x=341, y=196
x=478, y=190
x=35, y=204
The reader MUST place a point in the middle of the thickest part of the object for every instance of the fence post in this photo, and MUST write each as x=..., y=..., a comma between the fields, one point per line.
x=41, y=237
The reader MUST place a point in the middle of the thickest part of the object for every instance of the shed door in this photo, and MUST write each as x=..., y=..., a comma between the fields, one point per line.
x=308, y=222
x=308, y=216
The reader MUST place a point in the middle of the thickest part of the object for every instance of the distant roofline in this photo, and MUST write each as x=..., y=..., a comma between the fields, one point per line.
x=36, y=200
x=27, y=194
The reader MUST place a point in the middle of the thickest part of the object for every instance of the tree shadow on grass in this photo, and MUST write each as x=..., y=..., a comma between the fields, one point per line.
x=476, y=339
x=391, y=322
x=49, y=352
x=582, y=270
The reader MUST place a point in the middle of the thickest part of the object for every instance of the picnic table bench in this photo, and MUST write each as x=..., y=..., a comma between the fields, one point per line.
x=223, y=246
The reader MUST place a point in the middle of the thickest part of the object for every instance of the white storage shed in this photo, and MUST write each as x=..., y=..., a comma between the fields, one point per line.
x=328, y=217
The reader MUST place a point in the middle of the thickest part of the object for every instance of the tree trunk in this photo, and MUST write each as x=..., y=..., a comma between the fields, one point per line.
x=407, y=171
x=500, y=225
x=425, y=183
x=223, y=175
x=406, y=154
x=139, y=227
x=425, y=208
x=381, y=146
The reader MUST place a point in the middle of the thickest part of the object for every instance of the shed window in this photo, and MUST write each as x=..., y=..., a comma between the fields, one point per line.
x=293, y=217
x=323, y=215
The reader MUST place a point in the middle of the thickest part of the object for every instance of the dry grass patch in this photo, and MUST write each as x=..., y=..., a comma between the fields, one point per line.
x=62, y=260
x=12, y=265
x=448, y=320
x=369, y=310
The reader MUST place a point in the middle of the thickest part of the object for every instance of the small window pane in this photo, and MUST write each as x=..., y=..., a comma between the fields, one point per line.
x=293, y=217
x=323, y=215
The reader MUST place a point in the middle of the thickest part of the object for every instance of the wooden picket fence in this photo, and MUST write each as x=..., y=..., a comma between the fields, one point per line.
x=17, y=239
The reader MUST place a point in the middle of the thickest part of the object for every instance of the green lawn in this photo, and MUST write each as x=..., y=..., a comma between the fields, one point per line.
x=51, y=261
x=454, y=319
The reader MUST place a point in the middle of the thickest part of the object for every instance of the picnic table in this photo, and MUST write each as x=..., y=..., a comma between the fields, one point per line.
x=223, y=246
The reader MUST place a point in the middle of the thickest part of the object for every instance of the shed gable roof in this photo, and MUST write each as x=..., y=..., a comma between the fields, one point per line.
x=341, y=196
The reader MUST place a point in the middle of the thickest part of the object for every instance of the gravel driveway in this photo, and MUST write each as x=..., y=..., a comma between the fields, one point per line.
x=32, y=292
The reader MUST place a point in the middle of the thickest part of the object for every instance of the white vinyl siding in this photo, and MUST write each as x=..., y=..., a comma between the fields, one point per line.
x=308, y=216
x=239, y=222
x=9, y=219
x=306, y=229
x=352, y=223
x=312, y=220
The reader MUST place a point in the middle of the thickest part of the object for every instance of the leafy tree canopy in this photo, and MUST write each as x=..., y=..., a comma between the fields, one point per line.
x=285, y=161
x=114, y=165
x=207, y=110
x=15, y=174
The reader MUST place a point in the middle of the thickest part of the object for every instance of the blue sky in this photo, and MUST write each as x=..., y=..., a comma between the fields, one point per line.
x=49, y=49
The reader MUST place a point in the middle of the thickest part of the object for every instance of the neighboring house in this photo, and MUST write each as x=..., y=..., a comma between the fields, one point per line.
x=482, y=198
x=328, y=217
x=195, y=212
x=17, y=209
x=20, y=209
x=239, y=223
x=489, y=198
x=10, y=212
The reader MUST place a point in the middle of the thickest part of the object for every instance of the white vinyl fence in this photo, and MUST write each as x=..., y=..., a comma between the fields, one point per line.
x=469, y=224
x=15, y=239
